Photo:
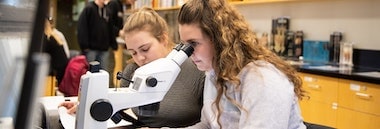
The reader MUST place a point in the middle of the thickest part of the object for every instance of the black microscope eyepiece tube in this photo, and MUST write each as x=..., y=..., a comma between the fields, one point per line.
x=188, y=49
x=178, y=46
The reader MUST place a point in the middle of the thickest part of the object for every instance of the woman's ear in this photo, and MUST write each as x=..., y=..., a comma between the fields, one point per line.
x=165, y=38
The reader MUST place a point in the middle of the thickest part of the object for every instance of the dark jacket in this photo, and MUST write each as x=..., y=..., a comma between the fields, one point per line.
x=94, y=29
x=115, y=9
x=58, y=58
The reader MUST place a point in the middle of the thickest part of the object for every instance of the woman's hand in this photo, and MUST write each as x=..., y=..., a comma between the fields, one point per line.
x=71, y=106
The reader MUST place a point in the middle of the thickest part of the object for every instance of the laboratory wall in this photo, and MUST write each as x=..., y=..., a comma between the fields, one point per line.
x=359, y=20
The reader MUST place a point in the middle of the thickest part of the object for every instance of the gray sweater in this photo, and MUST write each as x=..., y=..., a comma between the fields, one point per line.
x=182, y=104
x=265, y=93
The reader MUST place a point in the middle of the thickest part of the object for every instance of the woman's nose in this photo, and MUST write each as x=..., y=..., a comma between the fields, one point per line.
x=140, y=58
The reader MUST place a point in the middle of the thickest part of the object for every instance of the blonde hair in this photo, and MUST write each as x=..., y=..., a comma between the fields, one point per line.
x=235, y=45
x=48, y=30
x=146, y=19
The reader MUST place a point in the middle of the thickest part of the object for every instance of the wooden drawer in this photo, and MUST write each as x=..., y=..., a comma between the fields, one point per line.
x=348, y=119
x=319, y=112
x=320, y=88
x=50, y=85
x=359, y=96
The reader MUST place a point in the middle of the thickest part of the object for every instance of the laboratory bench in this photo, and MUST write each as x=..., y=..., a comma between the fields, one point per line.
x=356, y=73
x=343, y=97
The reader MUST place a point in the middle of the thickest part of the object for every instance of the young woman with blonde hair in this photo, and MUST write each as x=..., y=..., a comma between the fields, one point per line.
x=146, y=35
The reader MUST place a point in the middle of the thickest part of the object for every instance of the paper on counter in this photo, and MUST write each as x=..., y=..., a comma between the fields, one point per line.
x=51, y=102
x=330, y=68
x=370, y=74
x=68, y=120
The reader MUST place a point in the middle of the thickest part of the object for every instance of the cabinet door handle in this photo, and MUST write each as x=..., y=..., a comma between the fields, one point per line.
x=316, y=87
x=310, y=79
x=362, y=95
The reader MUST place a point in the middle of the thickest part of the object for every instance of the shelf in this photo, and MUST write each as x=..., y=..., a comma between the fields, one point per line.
x=130, y=11
x=167, y=8
x=244, y=2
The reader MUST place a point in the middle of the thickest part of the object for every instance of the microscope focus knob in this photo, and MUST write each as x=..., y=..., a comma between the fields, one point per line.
x=101, y=110
x=151, y=81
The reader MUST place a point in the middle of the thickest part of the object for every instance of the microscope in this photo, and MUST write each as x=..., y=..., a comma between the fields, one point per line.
x=149, y=84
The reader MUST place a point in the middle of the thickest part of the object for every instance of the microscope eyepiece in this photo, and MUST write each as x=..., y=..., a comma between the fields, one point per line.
x=94, y=66
x=119, y=76
x=188, y=49
x=178, y=46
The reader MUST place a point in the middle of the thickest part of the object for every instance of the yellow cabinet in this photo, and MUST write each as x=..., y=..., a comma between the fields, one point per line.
x=118, y=55
x=349, y=119
x=359, y=96
x=319, y=112
x=321, y=104
x=340, y=103
x=320, y=88
x=359, y=105
x=50, y=86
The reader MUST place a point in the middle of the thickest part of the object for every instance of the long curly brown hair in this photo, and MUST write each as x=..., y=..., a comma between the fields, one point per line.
x=235, y=45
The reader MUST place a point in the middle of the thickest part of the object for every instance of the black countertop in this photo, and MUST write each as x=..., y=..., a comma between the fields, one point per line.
x=356, y=73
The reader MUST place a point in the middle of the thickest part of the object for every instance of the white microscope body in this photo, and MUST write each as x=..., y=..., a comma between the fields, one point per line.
x=150, y=84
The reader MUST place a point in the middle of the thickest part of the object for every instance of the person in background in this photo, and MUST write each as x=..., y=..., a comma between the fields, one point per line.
x=247, y=86
x=146, y=38
x=116, y=14
x=53, y=45
x=60, y=36
x=94, y=35
x=115, y=9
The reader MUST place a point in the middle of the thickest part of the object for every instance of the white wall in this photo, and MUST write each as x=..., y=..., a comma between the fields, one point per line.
x=359, y=20
x=13, y=50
